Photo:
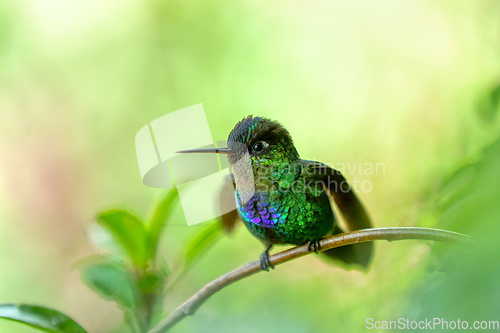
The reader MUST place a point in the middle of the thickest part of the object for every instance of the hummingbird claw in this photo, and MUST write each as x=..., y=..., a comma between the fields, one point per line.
x=265, y=263
x=314, y=246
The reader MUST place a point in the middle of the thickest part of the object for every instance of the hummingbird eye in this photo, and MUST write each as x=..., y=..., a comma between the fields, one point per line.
x=259, y=146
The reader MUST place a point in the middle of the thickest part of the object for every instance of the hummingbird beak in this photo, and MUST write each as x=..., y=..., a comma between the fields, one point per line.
x=227, y=151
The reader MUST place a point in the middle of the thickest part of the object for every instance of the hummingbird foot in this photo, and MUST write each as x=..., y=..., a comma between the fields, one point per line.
x=314, y=246
x=265, y=263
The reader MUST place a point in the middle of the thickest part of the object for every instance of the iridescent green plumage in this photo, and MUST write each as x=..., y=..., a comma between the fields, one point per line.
x=285, y=200
x=289, y=202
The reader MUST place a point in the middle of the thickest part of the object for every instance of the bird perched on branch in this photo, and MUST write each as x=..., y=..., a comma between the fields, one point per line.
x=283, y=199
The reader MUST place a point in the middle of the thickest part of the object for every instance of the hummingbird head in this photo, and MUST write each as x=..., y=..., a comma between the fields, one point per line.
x=263, y=139
x=256, y=148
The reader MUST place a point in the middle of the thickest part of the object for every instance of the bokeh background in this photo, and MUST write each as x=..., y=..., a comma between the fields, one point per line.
x=410, y=84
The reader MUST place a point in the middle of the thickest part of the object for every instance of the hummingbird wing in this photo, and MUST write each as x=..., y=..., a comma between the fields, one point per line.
x=226, y=201
x=350, y=207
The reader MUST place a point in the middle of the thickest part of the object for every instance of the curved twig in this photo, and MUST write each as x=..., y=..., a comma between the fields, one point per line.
x=391, y=234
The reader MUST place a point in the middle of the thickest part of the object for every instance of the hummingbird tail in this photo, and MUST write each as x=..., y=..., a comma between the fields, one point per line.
x=356, y=255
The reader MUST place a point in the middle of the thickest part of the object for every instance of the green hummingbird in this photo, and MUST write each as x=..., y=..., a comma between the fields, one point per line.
x=283, y=199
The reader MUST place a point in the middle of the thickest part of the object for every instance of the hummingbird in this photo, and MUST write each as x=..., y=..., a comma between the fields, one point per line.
x=283, y=199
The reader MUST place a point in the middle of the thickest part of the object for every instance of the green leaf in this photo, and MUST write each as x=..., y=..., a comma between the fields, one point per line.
x=110, y=279
x=44, y=319
x=129, y=232
x=200, y=242
x=159, y=218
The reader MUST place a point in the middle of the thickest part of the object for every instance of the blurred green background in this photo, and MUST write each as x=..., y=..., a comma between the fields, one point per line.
x=410, y=84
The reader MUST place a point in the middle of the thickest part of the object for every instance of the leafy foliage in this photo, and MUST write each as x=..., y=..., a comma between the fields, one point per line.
x=111, y=280
x=129, y=232
x=199, y=242
x=466, y=285
x=160, y=218
x=44, y=319
x=136, y=279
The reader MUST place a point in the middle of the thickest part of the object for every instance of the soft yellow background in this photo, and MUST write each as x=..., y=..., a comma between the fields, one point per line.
x=393, y=82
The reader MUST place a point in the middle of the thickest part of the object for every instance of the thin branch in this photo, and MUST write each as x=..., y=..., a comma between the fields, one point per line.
x=391, y=234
